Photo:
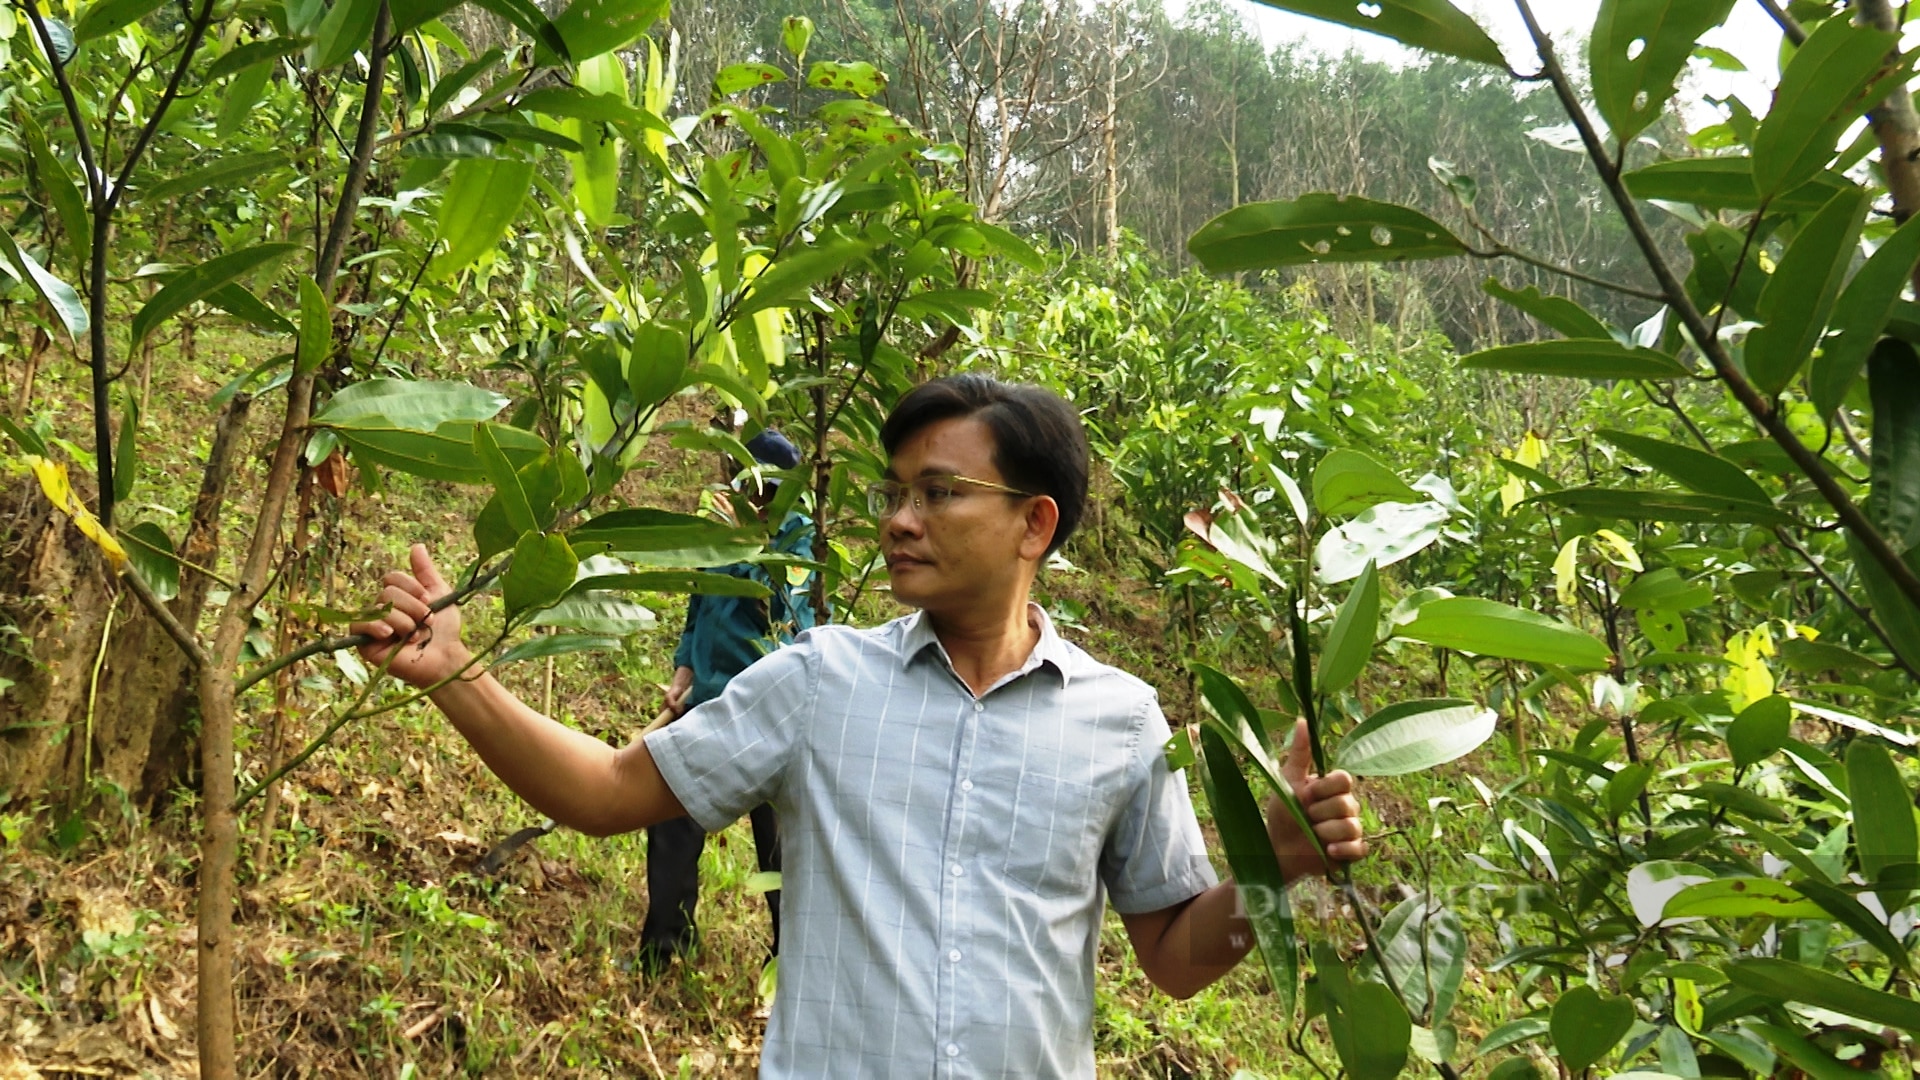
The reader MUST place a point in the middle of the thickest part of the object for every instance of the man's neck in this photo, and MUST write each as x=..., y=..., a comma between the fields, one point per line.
x=984, y=646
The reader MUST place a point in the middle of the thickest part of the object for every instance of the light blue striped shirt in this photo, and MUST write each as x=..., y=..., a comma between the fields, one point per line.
x=946, y=857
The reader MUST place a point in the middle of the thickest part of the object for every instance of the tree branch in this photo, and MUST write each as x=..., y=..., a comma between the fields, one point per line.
x=1788, y=26
x=156, y=607
x=1750, y=398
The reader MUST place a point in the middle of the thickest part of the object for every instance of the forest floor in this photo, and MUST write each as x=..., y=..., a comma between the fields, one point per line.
x=373, y=945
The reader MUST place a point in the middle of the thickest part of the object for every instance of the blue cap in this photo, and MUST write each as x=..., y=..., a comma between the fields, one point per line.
x=772, y=448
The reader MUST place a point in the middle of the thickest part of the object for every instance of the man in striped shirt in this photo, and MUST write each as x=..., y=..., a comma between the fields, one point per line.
x=961, y=790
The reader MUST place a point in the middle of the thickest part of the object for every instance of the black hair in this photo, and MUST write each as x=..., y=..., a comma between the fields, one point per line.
x=1039, y=444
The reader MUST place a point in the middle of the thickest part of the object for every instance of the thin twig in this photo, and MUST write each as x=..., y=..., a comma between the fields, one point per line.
x=190, y=645
x=1501, y=250
x=1859, y=610
x=1788, y=24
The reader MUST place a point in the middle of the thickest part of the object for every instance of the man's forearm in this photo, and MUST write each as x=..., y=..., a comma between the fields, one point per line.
x=1203, y=941
x=568, y=775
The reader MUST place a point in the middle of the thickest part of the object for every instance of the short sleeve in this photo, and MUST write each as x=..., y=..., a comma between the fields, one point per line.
x=729, y=755
x=1155, y=857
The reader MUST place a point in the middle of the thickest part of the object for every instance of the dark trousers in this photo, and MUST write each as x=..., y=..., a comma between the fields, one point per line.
x=673, y=880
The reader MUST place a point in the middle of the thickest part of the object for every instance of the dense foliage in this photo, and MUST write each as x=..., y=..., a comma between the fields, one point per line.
x=1670, y=556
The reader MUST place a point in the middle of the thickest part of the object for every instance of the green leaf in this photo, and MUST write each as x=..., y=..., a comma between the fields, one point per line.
x=1708, y=474
x=1803, y=1055
x=592, y=27
x=1511, y=1033
x=238, y=302
x=505, y=480
x=61, y=192
x=197, y=282
x=481, y=200
x=1425, y=948
x=1383, y=534
x=656, y=364
x=126, y=457
x=1740, y=898
x=1586, y=1025
x=1717, y=250
x=1784, y=980
x=574, y=103
x=1347, y=482
x=1801, y=293
x=1651, y=884
x=544, y=645
x=1620, y=505
x=1636, y=52
x=1256, y=870
x=416, y=404
x=786, y=281
x=316, y=327
x=1319, y=228
x=858, y=78
x=745, y=76
x=1557, y=312
x=243, y=93
x=1883, y=825
x=1377, y=1029
x=1624, y=787
x=1893, y=382
x=1737, y=799
x=260, y=51
x=543, y=568
x=450, y=85
x=1860, y=315
x=228, y=171
x=595, y=168
x=527, y=15
x=597, y=613
x=150, y=554
x=1761, y=728
x=1349, y=642
x=1490, y=628
x=1726, y=183
x=661, y=538
x=1665, y=590
x=1577, y=358
x=701, y=582
x=446, y=453
x=1897, y=614
x=1857, y=918
x=347, y=29
x=58, y=294
x=1240, y=716
x=109, y=16
x=1412, y=736
x=1833, y=78
x=1431, y=25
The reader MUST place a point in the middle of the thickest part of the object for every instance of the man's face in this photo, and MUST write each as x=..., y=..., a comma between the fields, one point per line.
x=969, y=550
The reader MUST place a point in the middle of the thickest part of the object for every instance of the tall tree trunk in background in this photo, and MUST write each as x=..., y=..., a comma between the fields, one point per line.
x=1110, y=140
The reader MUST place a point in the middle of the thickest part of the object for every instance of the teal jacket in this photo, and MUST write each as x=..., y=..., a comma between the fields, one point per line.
x=726, y=633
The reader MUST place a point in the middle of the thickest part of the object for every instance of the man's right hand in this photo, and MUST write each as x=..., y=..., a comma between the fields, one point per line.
x=678, y=688
x=426, y=644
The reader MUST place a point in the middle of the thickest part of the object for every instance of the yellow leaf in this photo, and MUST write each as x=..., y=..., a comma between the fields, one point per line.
x=59, y=490
x=1748, y=678
x=1687, y=1008
x=1623, y=553
x=1565, y=570
x=1532, y=451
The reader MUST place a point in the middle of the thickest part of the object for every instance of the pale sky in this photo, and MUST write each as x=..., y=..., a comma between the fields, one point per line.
x=1748, y=34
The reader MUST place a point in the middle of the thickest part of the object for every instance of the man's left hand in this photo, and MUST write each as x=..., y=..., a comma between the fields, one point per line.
x=1331, y=807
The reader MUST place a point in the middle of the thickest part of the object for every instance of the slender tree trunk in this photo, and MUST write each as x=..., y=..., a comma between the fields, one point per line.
x=220, y=836
x=1110, y=141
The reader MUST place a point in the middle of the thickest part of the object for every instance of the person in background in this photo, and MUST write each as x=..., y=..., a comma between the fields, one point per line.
x=723, y=635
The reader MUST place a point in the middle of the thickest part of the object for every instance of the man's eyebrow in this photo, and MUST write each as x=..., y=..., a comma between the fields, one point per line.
x=930, y=470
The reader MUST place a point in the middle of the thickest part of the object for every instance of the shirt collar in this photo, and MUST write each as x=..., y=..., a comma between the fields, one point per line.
x=1051, y=649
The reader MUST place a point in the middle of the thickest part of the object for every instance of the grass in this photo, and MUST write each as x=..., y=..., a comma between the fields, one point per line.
x=372, y=947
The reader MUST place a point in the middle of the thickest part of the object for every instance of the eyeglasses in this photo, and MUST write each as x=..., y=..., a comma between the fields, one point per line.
x=931, y=494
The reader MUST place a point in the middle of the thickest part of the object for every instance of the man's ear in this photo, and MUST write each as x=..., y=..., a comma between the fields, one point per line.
x=1043, y=520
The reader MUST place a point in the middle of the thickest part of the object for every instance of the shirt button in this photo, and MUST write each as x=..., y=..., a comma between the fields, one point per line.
x=957, y=871
x=966, y=785
x=954, y=956
x=979, y=706
x=953, y=1050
